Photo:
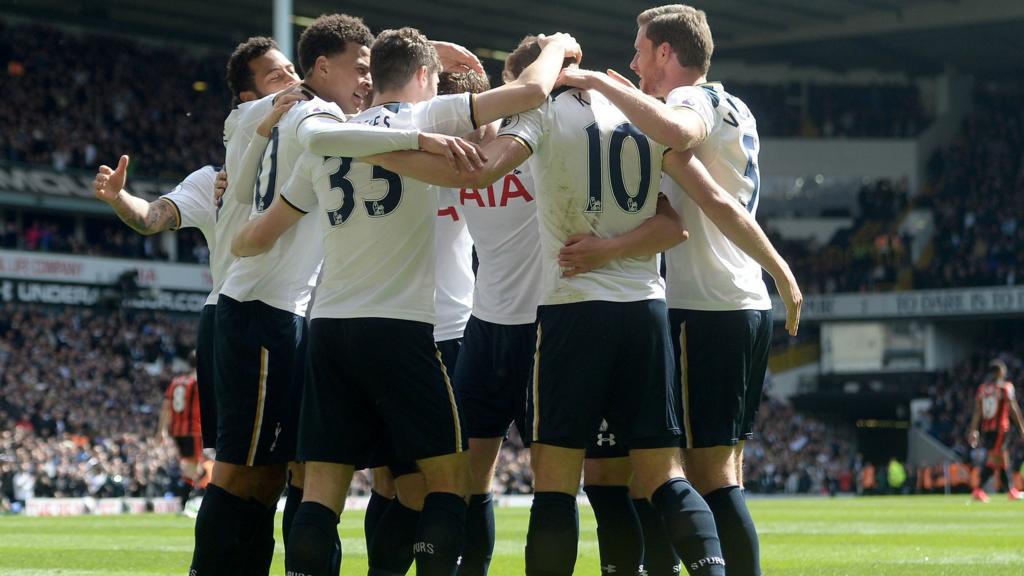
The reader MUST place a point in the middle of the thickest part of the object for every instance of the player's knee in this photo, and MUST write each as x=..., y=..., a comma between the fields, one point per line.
x=269, y=483
x=448, y=473
x=709, y=469
x=383, y=482
x=607, y=472
x=654, y=467
x=296, y=474
x=483, y=455
x=556, y=469
x=412, y=490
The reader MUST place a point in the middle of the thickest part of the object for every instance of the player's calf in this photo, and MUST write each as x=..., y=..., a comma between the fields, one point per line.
x=619, y=536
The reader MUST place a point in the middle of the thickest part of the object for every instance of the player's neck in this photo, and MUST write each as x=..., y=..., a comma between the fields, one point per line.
x=677, y=77
x=410, y=93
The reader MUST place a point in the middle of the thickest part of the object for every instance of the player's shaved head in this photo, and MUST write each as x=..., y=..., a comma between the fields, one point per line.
x=329, y=36
x=685, y=29
x=397, y=55
x=461, y=82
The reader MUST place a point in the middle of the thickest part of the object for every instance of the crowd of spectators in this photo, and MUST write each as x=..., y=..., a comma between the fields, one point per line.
x=814, y=110
x=864, y=257
x=101, y=237
x=163, y=105
x=976, y=192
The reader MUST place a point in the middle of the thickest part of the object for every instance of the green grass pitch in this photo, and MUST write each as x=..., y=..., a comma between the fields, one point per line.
x=870, y=536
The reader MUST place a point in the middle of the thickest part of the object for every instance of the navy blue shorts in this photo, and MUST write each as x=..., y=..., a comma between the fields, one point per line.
x=260, y=369
x=601, y=360
x=493, y=376
x=379, y=394
x=721, y=359
x=206, y=375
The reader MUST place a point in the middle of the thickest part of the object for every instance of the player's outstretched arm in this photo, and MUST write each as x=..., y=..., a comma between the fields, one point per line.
x=678, y=128
x=738, y=226
x=165, y=417
x=533, y=86
x=498, y=158
x=585, y=252
x=259, y=235
x=143, y=217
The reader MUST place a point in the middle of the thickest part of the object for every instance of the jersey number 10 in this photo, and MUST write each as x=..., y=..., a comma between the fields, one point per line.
x=631, y=203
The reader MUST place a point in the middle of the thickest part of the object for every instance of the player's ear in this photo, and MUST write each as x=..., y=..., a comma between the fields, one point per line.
x=423, y=76
x=664, y=51
x=321, y=65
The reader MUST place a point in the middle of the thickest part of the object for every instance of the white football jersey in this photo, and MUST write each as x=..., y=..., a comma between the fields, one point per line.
x=596, y=174
x=239, y=128
x=378, y=227
x=193, y=201
x=502, y=221
x=708, y=271
x=453, y=298
x=284, y=276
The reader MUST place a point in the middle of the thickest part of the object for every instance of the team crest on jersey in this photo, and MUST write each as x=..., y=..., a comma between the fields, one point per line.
x=689, y=103
x=510, y=122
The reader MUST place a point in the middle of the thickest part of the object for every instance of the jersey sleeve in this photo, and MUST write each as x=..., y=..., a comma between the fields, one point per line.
x=1011, y=391
x=526, y=127
x=696, y=99
x=327, y=136
x=298, y=192
x=452, y=114
x=193, y=200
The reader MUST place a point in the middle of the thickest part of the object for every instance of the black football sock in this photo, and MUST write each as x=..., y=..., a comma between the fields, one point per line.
x=690, y=527
x=740, y=546
x=391, y=550
x=659, y=557
x=375, y=508
x=259, y=538
x=476, y=557
x=217, y=546
x=1007, y=479
x=311, y=544
x=619, y=539
x=986, y=473
x=291, y=505
x=553, y=536
x=440, y=534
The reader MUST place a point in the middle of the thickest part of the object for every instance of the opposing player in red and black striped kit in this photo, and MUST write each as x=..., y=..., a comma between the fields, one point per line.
x=994, y=402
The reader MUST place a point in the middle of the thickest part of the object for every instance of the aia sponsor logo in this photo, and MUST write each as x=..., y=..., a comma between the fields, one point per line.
x=511, y=187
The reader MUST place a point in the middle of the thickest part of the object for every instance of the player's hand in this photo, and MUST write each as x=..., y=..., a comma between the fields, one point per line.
x=220, y=186
x=621, y=79
x=794, y=301
x=579, y=78
x=972, y=439
x=108, y=183
x=569, y=44
x=582, y=253
x=456, y=58
x=281, y=105
x=462, y=155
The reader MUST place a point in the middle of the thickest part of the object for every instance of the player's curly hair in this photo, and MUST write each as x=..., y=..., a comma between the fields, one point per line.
x=525, y=54
x=397, y=54
x=460, y=82
x=328, y=35
x=239, y=74
x=686, y=30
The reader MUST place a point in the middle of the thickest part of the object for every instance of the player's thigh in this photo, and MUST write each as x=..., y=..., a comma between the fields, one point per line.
x=383, y=481
x=653, y=467
x=577, y=345
x=607, y=471
x=416, y=397
x=338, y=413
x=714, y=354
x=260, y=351
x=643, y=411
x=206, y=376
x=711, y=468
x=327, y=484
x=556, y=468
x=492, y=376
x=447, y=473
x=483, y=459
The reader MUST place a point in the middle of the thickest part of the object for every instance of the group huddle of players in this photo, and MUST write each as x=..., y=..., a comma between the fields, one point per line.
x=346, y=329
